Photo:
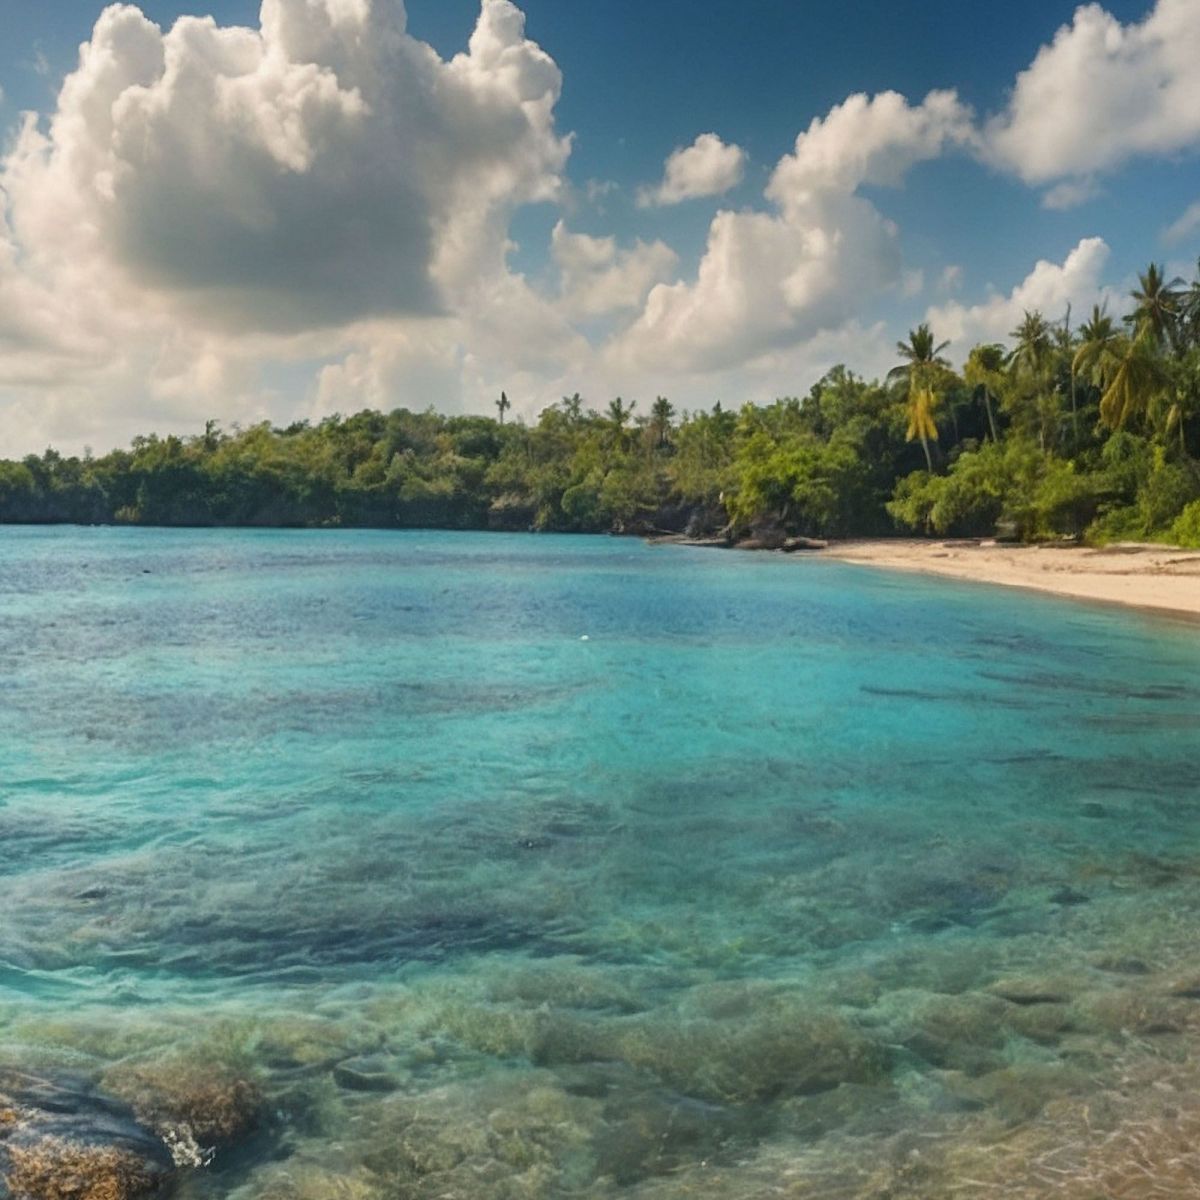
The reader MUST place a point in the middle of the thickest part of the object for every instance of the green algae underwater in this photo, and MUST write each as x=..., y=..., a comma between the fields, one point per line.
x=399, y=866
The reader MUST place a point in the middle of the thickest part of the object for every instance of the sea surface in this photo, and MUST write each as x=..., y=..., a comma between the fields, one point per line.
x=530, y=866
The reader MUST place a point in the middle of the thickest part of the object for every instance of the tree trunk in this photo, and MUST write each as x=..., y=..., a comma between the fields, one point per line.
x=925, y=447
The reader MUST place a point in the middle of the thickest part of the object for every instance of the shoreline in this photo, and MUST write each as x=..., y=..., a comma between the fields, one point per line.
x=1160, y=580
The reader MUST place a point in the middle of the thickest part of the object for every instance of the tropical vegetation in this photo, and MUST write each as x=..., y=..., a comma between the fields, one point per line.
x=1090, y=432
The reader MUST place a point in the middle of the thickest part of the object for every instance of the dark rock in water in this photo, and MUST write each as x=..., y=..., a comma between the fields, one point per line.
x=1024, y=990
x=368, y=1073
x=763, y=537
x=61, y=1139
x=1094, y=811
x=1068, y=896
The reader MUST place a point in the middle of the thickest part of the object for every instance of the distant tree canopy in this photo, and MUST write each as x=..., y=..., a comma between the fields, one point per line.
x=1092, y=432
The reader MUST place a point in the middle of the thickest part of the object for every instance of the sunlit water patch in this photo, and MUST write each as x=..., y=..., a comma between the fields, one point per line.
x=429, y=865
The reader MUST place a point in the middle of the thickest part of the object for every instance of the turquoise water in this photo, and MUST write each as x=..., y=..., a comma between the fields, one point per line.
x=537, y=866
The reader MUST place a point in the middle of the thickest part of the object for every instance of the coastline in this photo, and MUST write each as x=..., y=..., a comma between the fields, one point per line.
x=1158, y=579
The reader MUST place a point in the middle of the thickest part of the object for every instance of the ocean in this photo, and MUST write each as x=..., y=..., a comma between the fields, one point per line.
x=472, y=866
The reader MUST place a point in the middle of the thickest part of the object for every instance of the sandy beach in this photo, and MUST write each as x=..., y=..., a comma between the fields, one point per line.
x=1159, y=578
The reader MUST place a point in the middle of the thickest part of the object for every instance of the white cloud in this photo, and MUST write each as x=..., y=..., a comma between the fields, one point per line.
x=323, y=168
x=323, y=200
x=1071, y=193
x=1101, y=93
x=208, y=201
x=1048, y=288
x=873, y=140
x=1185, y=225
x=773, y=279
x=708, y=167
x=951, y=278
x=599, y=279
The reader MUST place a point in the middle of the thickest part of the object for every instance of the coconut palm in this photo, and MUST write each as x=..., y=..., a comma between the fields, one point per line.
x=1100, y=349
x=1139, y=380
x=1188, y=326
x=619, y=414
x=1182, y=399
x=660, y=421
x=984, y=371
x=503, y=404
x=1031, y=356
x=923, y=368
x=1158, y=305
x=921, y=356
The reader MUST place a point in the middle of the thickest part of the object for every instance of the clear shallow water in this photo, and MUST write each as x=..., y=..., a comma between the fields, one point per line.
x=793, y=879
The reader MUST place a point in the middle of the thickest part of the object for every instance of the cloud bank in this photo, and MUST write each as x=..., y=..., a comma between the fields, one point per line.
x=315, y=214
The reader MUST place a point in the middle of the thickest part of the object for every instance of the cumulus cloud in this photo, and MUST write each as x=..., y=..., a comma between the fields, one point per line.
x=1101, y=93
x=599, y=279
x=208, y=206
x=772, y=279
x=708, y=167
x=872, y=140
x=322, y=168
x=1048, y=288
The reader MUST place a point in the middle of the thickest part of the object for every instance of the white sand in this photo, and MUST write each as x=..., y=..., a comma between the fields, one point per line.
x=1160, y=578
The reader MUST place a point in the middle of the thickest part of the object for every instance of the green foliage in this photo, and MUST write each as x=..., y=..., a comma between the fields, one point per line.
x=1011, y=483
x=1091, y=433
x=1186, y=529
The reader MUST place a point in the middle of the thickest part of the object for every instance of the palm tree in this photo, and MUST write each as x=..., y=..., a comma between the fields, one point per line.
x=1158, y=305
x=618, y=417
x=922, y=367
x=503, y=404
x=660, y=421
x=984, y=371
x=1030, y=356
x=572, y=407
x=922, y=403
x=1188, y=325
x=1031, y=364
x=1065, y=346
x=1138, y=381
x=1099, y=352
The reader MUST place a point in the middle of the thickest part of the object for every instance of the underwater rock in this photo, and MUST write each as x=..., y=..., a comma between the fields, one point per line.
x=790, y=1049
x=369, y=1073
x=1187, y=988
x=963, y=1033
x=658, y=1133
x=1020, y=1091
x=1021, y=989
x=1044, y=1023
x=1133, y=1010
x=195, y=1105
x=61, y=1139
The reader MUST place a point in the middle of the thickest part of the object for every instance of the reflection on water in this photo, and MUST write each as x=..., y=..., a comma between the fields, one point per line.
x=345, y=855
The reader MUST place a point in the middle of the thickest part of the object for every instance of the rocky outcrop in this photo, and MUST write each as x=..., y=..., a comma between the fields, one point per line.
x=61, y=1139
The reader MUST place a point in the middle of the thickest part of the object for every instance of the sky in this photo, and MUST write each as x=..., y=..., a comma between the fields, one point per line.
x=279, y=212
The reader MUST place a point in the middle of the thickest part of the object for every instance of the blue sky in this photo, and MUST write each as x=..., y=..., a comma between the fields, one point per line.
x=946, y=218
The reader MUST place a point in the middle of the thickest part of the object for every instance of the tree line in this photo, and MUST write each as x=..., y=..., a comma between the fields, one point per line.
x=1070, y=430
